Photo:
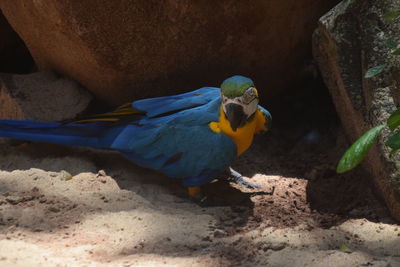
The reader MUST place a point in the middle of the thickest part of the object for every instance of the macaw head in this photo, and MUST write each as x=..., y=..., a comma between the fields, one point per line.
x=239, y=100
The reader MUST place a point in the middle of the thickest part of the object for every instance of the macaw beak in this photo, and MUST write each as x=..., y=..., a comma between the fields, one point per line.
x=235, y=115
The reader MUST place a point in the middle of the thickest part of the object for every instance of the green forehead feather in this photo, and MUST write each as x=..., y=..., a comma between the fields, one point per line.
x=236, y=86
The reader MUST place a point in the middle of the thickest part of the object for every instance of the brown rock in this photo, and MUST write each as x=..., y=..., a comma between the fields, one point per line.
x=134, y=49
x=349, y=40
x=40, y=96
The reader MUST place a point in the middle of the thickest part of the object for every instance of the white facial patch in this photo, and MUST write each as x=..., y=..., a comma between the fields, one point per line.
x=249, y=101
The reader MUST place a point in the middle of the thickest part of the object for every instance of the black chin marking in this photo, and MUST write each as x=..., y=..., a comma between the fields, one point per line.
x=235, y=115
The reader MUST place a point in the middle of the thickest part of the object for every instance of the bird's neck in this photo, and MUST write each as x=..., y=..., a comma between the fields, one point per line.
x=243, y=136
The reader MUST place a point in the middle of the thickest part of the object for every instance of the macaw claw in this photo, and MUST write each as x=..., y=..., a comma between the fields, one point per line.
x=240, y=181
x=203, y=201
x=237, y=178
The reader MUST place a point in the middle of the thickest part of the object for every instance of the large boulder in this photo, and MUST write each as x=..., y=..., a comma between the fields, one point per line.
x=349, y=40
x=130, y=49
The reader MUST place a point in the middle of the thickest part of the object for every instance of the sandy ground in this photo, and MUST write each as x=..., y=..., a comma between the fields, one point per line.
x=77, y=207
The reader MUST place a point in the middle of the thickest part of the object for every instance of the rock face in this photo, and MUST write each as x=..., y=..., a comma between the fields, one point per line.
x=40, y=96
x=146, y=48
x=351, y=39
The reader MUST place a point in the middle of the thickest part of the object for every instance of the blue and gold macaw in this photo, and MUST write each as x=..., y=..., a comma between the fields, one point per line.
x=193, y=136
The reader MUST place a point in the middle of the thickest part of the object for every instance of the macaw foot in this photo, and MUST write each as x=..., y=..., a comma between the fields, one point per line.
x=238, y=179
x=197, y=197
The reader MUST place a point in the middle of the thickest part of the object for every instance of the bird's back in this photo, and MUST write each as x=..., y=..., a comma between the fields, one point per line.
x=174, y=136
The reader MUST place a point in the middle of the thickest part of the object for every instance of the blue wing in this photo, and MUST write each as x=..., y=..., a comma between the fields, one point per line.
x=162, y=105
x=268, y=117
x=180, y=144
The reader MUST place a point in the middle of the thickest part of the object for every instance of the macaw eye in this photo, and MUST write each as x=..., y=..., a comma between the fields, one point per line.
x=250, y=95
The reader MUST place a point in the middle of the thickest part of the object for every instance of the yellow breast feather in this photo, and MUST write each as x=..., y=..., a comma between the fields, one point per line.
x=243, y=136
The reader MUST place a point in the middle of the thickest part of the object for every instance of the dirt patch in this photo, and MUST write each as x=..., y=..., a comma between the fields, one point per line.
x=36, y=211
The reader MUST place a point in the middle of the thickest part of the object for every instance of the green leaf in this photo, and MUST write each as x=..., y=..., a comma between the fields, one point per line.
x=391, y=44
x=374, y=71
x=356, y=153
x=394, y=141
x=394, y=120
x=392, y=15
x=396, y=52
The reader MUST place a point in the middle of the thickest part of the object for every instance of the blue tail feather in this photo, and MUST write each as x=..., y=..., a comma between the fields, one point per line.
x=51, y=132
